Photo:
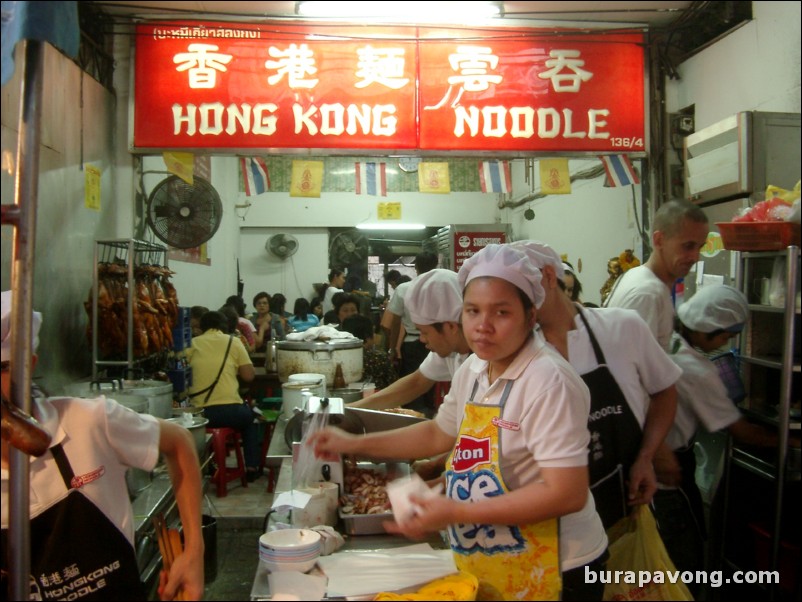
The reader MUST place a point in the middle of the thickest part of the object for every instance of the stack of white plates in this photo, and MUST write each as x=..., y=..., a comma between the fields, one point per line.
x=289, y=549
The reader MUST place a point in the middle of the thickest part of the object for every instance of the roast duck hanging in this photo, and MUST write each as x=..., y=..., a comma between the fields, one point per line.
x=155, y=310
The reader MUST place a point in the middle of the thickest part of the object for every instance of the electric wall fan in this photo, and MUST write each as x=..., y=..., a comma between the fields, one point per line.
x=282, y=245
x=184, y=215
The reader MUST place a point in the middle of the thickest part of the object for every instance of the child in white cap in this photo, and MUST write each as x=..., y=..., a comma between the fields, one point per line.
x=706, y=322
x=517, y=507
x=81, y=519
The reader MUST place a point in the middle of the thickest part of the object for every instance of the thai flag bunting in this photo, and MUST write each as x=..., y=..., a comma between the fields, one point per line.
x=495, y=176
x=619, y=171
x=255, y=175
x=371, y=178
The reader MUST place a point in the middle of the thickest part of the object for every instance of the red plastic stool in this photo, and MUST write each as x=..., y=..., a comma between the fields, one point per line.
x=222, y=440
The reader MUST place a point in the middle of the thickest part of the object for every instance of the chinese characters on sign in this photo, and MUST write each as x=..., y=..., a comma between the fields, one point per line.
x=223, y=86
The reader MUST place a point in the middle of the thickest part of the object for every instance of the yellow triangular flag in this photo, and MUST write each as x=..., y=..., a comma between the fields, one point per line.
x=180, y=164
x=554, y=176
x=307, y=178
x=433, y=177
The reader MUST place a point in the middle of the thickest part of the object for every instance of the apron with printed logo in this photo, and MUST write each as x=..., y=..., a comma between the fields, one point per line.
x=615, y=439
x=77, y=553
x=511, y=562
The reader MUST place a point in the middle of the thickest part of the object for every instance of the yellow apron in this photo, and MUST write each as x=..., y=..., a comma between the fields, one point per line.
x=512, y=562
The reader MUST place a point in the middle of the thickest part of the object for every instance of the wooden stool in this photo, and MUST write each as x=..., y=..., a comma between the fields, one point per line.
x=222, y=440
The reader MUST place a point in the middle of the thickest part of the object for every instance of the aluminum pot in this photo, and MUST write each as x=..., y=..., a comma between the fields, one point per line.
x=292, y=395
x=320, y=357
x=347, y=395
x=198, y=429
x=158, y=393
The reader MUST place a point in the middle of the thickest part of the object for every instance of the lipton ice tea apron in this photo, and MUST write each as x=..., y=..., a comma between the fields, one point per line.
x=512, y=562
x=77, y=553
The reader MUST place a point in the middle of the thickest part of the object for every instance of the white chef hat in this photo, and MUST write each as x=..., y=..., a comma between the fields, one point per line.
x=715, y=307
x=434, y=296
x=508, y=262
x=5, y=313
x=542, y=255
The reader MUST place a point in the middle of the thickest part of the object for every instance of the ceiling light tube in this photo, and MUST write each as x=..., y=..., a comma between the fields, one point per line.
x=390, y=226
x=428, y=12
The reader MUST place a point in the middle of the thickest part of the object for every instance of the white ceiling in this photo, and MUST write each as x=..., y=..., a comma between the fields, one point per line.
x=654, y=14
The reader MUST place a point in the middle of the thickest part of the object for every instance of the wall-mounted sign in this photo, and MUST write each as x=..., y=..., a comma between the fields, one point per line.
x=228, y=87
x=467, y=244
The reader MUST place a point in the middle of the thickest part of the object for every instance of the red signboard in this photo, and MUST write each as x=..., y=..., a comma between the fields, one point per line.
x=532, y=92
x=467, y=244
x=234, y=87
x=238, y=86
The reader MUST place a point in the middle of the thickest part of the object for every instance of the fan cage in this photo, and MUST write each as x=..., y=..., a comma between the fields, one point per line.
x=282, y=245
x=184, y=215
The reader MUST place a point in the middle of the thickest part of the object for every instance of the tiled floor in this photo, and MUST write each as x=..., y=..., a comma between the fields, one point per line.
x=240, y=516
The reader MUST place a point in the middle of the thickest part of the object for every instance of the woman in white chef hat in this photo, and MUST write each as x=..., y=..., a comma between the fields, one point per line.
x=517, y=506
x=706, y=322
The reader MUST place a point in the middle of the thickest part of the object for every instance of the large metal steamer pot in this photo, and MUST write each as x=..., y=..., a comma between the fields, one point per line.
x=158, y=393
x=320, y=357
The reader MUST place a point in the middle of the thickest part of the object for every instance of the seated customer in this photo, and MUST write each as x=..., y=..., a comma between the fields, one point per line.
x=302, y=318
x=376, y=365
x=346, y=305
x=195, y=314
x=218, y=359
x=242, y=327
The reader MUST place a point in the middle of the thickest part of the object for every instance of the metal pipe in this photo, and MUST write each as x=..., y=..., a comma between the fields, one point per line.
x=25, y=197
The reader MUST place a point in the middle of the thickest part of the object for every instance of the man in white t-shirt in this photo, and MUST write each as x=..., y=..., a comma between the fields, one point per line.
x=413, y=350
x=631, y=382
x=81, y=520
x=336, y=283
x=434, y=302
x=679, y=231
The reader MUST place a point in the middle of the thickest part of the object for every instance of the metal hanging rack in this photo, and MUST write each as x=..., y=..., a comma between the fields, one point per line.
x=132, y=254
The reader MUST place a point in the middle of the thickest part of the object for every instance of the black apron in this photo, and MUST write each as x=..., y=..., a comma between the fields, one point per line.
x=77, y=553
x=615, y=439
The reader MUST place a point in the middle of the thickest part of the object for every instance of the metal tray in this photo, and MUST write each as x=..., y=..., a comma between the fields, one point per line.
x=371, y=524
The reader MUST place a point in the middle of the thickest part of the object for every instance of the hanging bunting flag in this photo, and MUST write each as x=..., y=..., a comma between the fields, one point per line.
x=255, y=175
x=371, y=178
x=433, y=177
x=307, y=178
x=180, y=164
x=619, y=171
x=554, y=176
x=495, y=176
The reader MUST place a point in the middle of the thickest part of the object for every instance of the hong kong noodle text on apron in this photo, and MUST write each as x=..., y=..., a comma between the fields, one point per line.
x=615, y=438
x=77, y=553
x=512, y=562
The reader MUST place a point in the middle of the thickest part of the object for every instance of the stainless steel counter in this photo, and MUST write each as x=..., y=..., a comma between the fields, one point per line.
x=261, y=591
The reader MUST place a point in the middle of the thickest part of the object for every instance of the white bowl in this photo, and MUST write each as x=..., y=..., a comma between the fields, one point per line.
x=288, y=540
x=301, y=567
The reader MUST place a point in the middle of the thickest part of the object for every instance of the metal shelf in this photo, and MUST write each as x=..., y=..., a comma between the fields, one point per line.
x=784, y=362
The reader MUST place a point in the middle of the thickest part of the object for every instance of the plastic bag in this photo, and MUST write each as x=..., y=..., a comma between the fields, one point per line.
x=307, y=468
x=646, y=571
